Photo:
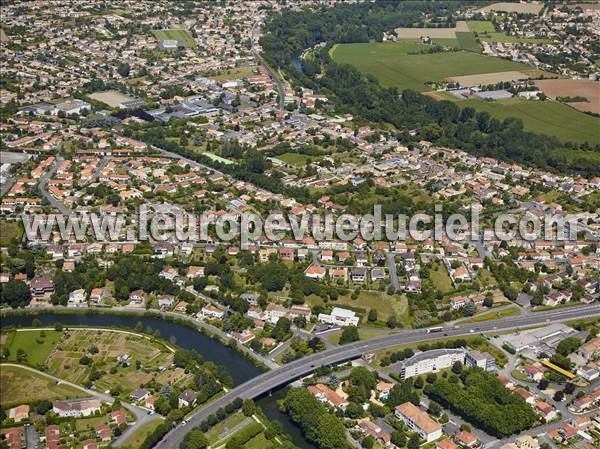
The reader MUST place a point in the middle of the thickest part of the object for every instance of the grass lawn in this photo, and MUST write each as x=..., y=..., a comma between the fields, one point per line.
x=391, y=64
x=296, y=158
x=90, y=423
x=214, y=432
x=183, y=36
x=10, y=230
x=492, y=315
x=365, y=334
x=385, y=304
x=35, y=346
x=138, y=437
x=234, y=74
x=544, y=117
x=19, y=385
x=440, y=278
x=258, y=442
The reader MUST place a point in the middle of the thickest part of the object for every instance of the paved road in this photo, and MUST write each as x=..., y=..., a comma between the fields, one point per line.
x=391, y=262
x=42, y=186
x=284, y=375
x=262, y=62
x=141, y=415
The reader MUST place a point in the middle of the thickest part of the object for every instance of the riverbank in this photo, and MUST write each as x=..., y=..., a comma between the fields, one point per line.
x=260, y=362
x=185, y=336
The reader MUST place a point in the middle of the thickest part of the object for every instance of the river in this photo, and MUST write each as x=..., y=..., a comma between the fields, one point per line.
x=240, y=368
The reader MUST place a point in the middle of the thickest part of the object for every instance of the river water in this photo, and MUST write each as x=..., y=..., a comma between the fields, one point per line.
x=240, y=368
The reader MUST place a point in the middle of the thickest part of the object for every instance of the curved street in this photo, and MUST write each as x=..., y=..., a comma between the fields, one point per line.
x=286, y=374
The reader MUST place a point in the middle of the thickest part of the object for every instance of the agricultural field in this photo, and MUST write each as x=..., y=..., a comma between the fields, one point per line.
x=544, y=117
x=64, y=361
x=488, y=78
x=525, y=8
x=416, y=33
x=112, y=98
x=20, y=385
x=393, y=66
x=468, y=41
x=184, y=37
x=574, y=88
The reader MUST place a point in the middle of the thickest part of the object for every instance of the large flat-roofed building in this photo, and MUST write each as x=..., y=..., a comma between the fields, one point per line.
x=419, y=421
x=431, y=361
x=481, y=360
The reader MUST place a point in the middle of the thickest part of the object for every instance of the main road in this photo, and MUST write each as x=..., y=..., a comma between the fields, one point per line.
x=286, y=374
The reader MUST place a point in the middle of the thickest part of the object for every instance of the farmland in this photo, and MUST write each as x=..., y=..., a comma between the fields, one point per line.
x=574, y=88
x=525, y=8
x=184, y=37
x=544, y=117
x=416, y=33
x=64, y=361
x=393, y=66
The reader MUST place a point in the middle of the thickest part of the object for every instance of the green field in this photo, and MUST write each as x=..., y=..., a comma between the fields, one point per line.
x=492, y=315
x=391, y=64
x=36, y=346
x=19, y=385
x=544, y=117
x=9, y=231
x=183, y=36
x=296, y=158
x=141, y=434
x=480, y=26
x=468, y=41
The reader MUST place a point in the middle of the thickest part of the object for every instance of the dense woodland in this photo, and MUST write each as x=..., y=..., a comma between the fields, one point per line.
x=289, y=34
x=481, y=399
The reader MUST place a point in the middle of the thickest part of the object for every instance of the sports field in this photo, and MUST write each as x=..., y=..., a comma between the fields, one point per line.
x=543, y=117
x=184, y=37
x=393, y=66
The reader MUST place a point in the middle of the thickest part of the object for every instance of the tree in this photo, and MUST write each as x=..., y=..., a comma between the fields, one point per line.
x=568, y=346
x=15, y=293
x=281, y=331
x=368, y=442
x=372, y=315
x=349, y=334
x=558, y=396
x=248, y=408
x=414, y=441
x=457, y=367
x=543, y=384
x=398, y=438
x=195, y=440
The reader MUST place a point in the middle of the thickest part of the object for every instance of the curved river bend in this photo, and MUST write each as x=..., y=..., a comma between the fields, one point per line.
x=240, y=368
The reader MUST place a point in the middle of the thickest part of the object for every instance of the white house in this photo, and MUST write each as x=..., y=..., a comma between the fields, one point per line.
x=339, y=317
